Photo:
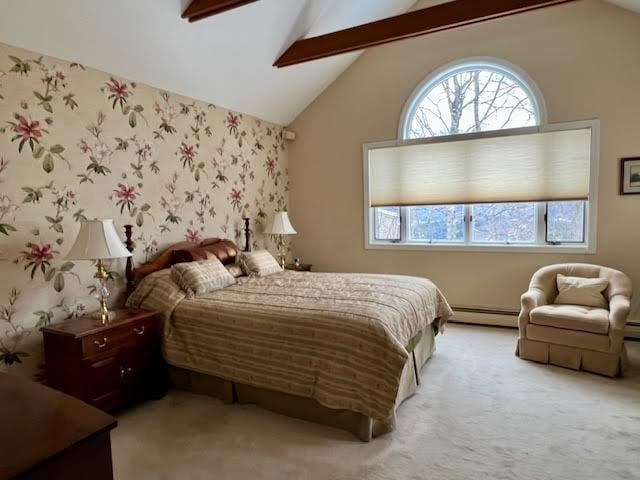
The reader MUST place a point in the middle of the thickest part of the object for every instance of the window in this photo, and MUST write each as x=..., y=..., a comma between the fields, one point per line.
x=565, y=222
x=387, y=224
x=436, y=224
x=471, y=98
x=474, y=133
x=505, y=223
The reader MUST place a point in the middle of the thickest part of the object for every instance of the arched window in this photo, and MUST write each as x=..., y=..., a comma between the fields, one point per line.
x=470, y=97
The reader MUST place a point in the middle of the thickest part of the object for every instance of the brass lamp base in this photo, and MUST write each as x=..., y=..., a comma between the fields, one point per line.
x=282, y=256
x=101, y=276
x=104, y=315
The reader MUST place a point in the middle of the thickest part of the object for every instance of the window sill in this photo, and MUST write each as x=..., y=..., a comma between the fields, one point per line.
x=576, y=249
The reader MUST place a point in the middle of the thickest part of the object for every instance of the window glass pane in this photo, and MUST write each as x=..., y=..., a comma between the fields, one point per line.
x=443, y=223
x=504, y=223
x=565, y=222
x=472, y=99
x=387, y=223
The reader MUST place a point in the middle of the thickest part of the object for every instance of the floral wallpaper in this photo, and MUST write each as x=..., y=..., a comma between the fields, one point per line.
x=77, y=143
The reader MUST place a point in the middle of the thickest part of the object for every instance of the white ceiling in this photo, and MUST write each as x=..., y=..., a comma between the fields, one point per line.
x=629, y=4
x=226, y=59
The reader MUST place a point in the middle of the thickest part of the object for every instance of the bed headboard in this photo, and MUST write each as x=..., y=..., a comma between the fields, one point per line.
x=224, y=249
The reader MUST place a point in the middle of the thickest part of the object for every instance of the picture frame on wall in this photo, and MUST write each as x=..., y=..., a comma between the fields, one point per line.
x=630, y=176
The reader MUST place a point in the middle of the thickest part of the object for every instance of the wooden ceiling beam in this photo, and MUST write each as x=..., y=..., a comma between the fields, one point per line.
x=445, y=16
x=199, y=9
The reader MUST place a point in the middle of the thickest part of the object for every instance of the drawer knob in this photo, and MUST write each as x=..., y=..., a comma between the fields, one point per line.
x=101, y=344
x=139, y=330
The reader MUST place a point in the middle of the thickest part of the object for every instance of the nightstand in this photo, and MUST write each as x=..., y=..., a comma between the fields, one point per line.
x=107, y=366
x=303, y=267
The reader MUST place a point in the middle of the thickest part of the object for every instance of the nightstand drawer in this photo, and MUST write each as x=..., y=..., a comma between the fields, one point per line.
x=133, y=333
x=101, y=343
x=144, y=330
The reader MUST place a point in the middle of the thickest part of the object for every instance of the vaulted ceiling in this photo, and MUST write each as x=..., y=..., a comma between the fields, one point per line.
x=633, y=5
x=226, y=59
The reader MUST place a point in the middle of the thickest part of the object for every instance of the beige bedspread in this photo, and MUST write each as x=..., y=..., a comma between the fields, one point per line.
x=337, y=338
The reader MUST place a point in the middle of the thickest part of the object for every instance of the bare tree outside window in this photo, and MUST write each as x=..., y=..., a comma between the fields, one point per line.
x=472, y=100
x=504, y=223
x=441, y=223
x=565, y=222
x=387, y=223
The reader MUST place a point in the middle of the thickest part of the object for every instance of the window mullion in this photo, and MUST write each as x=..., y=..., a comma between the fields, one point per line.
x=467, y=224
x=541, y=224
x=404, y=224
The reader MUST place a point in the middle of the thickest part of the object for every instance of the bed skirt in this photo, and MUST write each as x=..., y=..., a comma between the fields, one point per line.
x=362, y=426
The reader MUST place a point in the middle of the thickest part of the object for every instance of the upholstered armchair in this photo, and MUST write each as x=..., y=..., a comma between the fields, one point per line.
x=575, y=336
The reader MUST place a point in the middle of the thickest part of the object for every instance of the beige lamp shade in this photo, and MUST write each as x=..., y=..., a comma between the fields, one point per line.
x=280, y=225
x=96, y=240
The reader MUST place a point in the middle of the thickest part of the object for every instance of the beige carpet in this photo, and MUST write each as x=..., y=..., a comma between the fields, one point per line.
x=481, y=413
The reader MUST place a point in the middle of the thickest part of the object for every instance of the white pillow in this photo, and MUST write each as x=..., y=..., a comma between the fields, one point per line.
x=197, y=278
x=581, y=291
x=235, y=270
x=260, y=263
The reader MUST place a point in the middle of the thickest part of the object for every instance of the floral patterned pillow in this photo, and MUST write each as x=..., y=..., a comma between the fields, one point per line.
x=198, y=278
x=260, y=263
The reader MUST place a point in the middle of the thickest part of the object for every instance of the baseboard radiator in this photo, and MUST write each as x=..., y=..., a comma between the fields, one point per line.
x=501, y=317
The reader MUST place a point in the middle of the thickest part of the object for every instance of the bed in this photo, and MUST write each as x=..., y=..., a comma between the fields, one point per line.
x=339, y=349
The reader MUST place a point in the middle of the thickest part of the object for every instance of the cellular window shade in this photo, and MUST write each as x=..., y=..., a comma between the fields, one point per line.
x=531, y=167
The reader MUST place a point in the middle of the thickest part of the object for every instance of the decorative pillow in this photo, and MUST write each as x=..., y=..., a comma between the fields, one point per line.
x=235, y=270
x=224, y=250
x=260, y=263
x=194, y=254
x=197, y=278
x=581, y=291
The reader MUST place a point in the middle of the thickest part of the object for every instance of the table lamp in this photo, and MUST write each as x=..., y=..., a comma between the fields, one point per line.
x=97, y=240
x=280, y=225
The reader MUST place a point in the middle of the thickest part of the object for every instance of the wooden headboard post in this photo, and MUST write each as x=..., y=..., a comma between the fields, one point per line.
x=128, y=271
x=247, y=235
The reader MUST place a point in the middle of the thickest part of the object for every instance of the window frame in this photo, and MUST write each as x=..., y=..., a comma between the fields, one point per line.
x=541, y=246
x=486, y=63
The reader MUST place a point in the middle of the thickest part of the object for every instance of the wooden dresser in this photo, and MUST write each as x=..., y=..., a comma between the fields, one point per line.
x=108, y=366
x=47, y=435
